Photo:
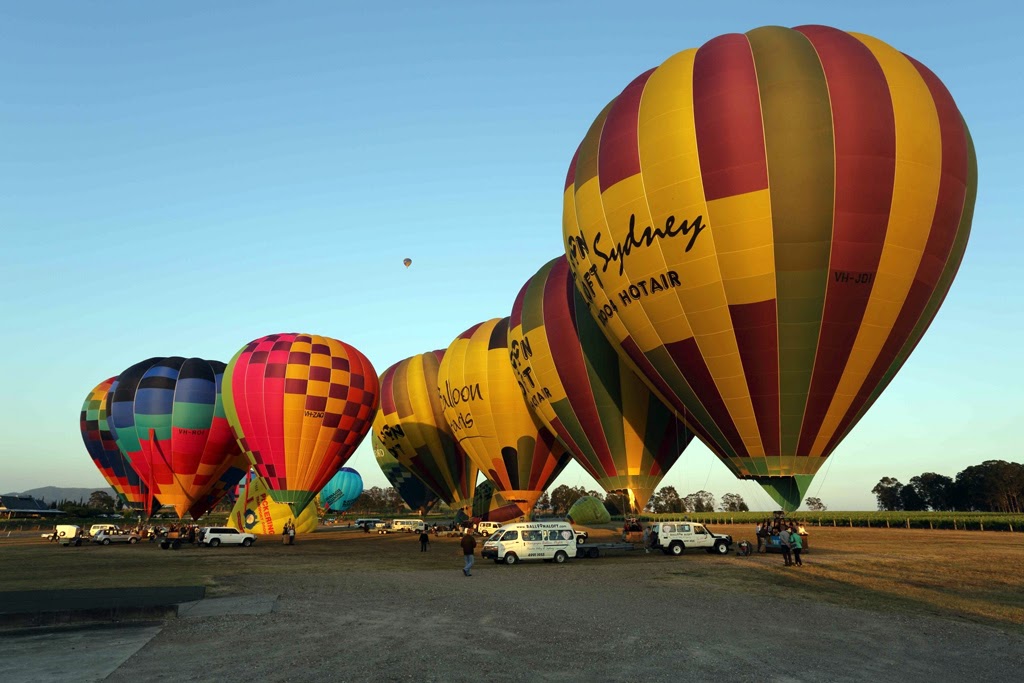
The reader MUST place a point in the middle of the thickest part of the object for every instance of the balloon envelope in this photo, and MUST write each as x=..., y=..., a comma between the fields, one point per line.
x=485, y=410
x=299, y=405
x=411, y=426
x=102, y=445
x=257, y=513
x=223, y=488
x=577, y=385
x=407, y=262
x=414, y=492
x=739, y=223
x=588, y=511
x=342, y=490
x=168, y=416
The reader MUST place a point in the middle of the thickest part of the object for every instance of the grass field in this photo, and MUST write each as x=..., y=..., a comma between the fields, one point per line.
x=971, y=575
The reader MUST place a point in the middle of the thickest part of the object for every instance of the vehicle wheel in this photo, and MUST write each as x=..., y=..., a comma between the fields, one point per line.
x=61, y=534
x=132, y=541
x=594, y=553
x=176, y=545
x=106, y=541
x=214, y=543
x=560, y=557
x=164, y=545
x=676, y=548
x=721, y=548
x=510, y=558
x=246, y=542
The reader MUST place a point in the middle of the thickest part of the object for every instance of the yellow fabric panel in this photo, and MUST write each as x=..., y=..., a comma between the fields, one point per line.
x=635, y=397
x=621, y=202
x=425, y=432
x=670, y=166
x=585, y=205
x=915, y=191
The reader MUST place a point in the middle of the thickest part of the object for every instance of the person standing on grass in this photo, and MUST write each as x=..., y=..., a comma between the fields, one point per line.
x=785, y=543
x=468, y=544
x=424, y=541
x=647, y=539
x=760, y=538
x=798, y=545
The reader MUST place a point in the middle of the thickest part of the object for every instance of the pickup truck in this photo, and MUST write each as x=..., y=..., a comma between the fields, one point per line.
x=672, y=538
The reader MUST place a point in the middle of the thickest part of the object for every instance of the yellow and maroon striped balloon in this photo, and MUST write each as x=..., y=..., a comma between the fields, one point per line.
x=765, y=226
x=484, y=408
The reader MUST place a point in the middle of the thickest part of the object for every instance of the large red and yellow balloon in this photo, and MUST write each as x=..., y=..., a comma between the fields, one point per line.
x=485, y=410
x=579, y=388
x=299, y=405
x=765, y=227
x=411, y=426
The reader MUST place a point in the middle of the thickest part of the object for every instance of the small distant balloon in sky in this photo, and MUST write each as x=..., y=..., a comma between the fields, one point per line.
x=407, y=262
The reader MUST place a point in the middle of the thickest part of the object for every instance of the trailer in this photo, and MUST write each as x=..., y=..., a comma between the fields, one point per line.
x=594, y=550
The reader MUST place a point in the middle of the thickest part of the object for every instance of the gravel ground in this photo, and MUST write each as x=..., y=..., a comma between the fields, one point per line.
x=608, y=619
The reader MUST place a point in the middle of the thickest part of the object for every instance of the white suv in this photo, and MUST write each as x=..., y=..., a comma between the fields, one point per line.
x=214, y=536
x=674, y=537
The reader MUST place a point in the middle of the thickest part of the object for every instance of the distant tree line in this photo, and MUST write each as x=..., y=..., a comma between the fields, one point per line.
x=992, y=486
x=378, y=499
x=665, y=500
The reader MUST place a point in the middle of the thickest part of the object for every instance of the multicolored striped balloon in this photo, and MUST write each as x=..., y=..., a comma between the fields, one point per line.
x=168, y=417
x=299, y=405
x=485, y=410
x=765, y=227
x=411, y=426
x=410, y=488
x=576, y=384
x=102, y=445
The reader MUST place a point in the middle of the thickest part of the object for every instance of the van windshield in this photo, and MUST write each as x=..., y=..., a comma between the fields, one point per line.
x=495, y=536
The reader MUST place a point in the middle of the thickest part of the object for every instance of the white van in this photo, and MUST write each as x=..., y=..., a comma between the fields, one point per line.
x=487, y=528
x=409, y=525
x=531, y=541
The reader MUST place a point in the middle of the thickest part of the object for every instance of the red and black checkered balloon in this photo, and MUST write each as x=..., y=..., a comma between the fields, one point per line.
x=299, y=404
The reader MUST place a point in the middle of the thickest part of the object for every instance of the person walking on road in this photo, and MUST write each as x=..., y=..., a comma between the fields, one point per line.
x=798, y=545
x=468, y=544
x=785, y=543
x=424, y=541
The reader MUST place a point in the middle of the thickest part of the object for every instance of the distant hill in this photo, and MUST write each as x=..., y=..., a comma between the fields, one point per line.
x=49, y=494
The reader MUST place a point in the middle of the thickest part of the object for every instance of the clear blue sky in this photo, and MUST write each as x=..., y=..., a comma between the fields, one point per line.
x=180, y=178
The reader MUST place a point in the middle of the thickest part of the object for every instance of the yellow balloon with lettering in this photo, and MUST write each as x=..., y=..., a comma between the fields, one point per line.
x=485, y=409
x=257, y=513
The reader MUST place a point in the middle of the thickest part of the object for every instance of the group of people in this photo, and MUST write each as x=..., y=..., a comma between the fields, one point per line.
x=792, y=539
x=288, y=533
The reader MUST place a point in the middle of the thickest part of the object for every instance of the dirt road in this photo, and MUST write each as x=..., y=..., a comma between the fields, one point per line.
x=384, y=611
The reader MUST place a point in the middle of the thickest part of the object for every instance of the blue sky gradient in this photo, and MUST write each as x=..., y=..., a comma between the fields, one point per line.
x=177, y=179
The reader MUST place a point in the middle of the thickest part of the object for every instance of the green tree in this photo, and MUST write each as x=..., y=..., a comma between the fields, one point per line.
x=701, y=501
x=733, y=502
x=543, y=503
x=936, y=490
x=887, y=492
x=815, y=505
x=563, y=497
x=910, y=500
x=101, y=500
x=666, y=499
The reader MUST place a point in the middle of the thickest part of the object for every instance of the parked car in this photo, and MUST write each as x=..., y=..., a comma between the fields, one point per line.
x=214, y=536
x=109, y=536
x=367, y=522
x=672, y=538
x=97, y=528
